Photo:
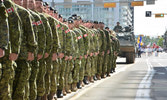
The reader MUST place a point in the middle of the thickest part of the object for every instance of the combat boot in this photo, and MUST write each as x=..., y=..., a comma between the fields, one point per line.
x=103, y=76
x=59, y=94
x=64, y=92
x=74, y=87
x=91, y=79
x=86, y=80
x=98, y=77
x=95, y=78
x=108, y=75
x=82, y=84
x=52, y=96
x=79, y=85
x=68, y=88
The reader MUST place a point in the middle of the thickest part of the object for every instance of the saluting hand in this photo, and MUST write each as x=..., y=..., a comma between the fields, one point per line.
x=2, y=53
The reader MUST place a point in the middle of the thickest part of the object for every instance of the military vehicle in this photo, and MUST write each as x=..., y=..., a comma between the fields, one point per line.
x=127, y=46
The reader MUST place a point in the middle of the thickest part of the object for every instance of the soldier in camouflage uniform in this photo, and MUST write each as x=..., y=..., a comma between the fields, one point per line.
x=41, y=39
x=85, y=64
x=4, y=51
x=81, y=48
x=42, y=62
x=14, y=46
x=28, y=46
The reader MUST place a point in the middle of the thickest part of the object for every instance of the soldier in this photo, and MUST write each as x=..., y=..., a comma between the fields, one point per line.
x=4, y=51
x=86, y=37
x=42, y=62
x=41, y=39
x=80, y=53
x=118, y=28
x=28, y=46
x=14, y=44
x=110, y=58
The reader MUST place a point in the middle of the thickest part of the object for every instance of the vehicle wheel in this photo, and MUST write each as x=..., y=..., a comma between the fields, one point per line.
x=130, y=58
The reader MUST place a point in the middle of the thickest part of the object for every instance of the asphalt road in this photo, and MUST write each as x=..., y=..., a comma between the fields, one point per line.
x=146, y=79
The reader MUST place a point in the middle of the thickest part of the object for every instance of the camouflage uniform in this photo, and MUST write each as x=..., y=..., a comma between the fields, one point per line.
x=41, y=39
x=81, y=50
x=4, y=44
x=23, y=70
x=49, y=77
x=68, y=52
x=14, y=47
x=96, y=45
x=86, y=38
x=42, y=62
x=106, y=55
x=111, y=56
x=102, y=46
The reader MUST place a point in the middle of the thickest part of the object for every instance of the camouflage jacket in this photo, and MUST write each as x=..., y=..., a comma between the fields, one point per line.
x=15, y=29
x=40, y=33
x=67, y=40
x=48, y=33
x=96, y=40
x=56, y=43
x=102, y=38
x=75, y=48
x=29, y=43
x=80, y=41
x=108, y=41
x=4, y=34
x=86, y=37
x=92, y=42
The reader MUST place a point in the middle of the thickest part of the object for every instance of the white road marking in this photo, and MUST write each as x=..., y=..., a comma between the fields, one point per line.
x=143, y=92
x=162, y=66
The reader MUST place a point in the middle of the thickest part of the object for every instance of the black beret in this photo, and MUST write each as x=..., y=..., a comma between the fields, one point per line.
x=74, y=15
x=64, y=20
x=55, y=11
x=106, y=27
x=51, y=8
x=60, y=16
x=70, y=21
x=101, y=23
x=45, y=4
x=74, y=18
x=96, y=22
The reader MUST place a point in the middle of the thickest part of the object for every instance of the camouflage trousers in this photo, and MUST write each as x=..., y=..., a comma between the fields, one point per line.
x=88, y=67
x=105, y=62
x=75, y=72
x=68, y=73
x=61, y=73
x=54, y=77
x=114, y=62
x=21, y=82
x=41, y=78
x=33, y=79
x=6, y=78
x=92, y=69
x=99, y=63
x=96, y=63
x=49, y=69
x=110, y=63
x=82, y=69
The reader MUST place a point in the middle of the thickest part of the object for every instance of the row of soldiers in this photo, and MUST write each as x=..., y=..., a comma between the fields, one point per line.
x=43, y=56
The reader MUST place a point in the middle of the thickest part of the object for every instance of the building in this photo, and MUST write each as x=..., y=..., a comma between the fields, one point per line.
x=94, y=10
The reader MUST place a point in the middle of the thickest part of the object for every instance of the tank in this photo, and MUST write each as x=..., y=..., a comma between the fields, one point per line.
x=127, y=46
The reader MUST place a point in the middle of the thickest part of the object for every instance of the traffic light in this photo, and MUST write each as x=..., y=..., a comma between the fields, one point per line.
x=148, y=13
x=159, y=15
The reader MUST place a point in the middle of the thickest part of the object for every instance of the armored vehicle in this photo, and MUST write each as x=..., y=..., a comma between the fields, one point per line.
x=127, y=46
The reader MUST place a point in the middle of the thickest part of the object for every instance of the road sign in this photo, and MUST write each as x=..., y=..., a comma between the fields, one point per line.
x=109, y=5
x=148, y=13
x=150, y=2
x=159, y=15
x=137, y=3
